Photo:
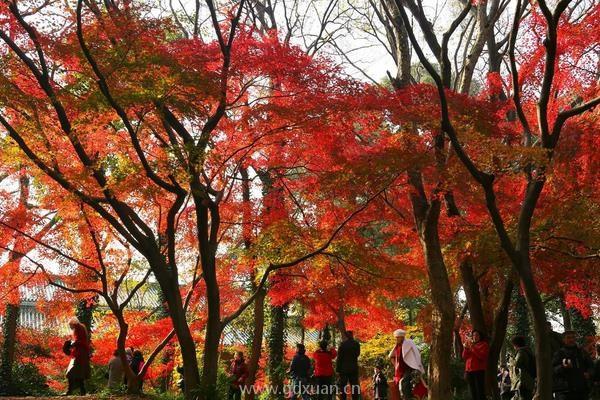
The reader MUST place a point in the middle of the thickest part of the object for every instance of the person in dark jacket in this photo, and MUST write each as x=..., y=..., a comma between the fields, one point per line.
x=523, y=371
x=323, y=373
x=137, y=363
x=572, y=367
x=380, y=383
x=79, y=350
x=299, y=372
x=347, y=366
x=475, y=355
x=238, y=372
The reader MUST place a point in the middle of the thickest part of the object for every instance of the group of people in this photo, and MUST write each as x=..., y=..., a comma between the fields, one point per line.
x=315, y=377
x=323, y=373
x=575, y=374
x=116, y=371
x=78, y=348
x=312, y=377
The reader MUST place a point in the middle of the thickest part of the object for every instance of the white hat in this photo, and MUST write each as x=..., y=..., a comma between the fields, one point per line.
x=399, y=333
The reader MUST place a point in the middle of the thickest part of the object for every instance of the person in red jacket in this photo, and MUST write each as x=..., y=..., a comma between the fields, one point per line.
x=78, y=347
x=475, y=355
x=238, y=373
x=323, y=373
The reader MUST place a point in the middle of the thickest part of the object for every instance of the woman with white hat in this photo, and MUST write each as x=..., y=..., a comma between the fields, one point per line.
x=406, y=359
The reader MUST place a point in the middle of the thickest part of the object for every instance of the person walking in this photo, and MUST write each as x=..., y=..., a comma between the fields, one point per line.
x=300, y=372
x=523, y=370
x=380, y=383
x=115, y=371
x=347, y=366
x=408, y=367
x=475, y=355
x=238, y=372
x=323, y=373
x=572, y=370
x=78, y=347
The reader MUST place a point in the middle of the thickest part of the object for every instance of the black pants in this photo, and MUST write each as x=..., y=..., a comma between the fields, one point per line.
x=406, y=385
x=235, y=393
x=506, y=395
x=476, y=380
x=352, y=380
x=75, y=383
x=325, y=388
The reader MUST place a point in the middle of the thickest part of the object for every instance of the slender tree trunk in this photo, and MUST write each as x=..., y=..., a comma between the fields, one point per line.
x=10, y=326
x=259, y=301
x=212, y=336
x=174, y=301
x=133, y=380
x=257, y=341
x=426, y=216
x=443, y=322
x=542, y=343
x=472, y=293
x=498, y=336
x=443, y=309
x=341, y=320
x=276, y=342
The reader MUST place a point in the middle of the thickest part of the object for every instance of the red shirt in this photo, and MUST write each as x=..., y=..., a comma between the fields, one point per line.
x=400, y=366
x=324, y=362
x=476, y=356
x=239, y=372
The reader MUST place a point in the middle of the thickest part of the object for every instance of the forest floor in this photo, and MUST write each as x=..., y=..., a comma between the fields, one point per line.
x=88, y=397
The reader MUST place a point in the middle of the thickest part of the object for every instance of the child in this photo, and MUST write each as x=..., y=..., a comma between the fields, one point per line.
x=380, y=384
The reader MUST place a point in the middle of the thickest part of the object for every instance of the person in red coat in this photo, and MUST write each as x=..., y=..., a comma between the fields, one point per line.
x=238, y=374
x=78, y=347
x=475, y=355
x=323, y=373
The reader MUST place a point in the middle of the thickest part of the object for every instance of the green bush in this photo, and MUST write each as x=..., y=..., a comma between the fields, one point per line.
x=27, y=381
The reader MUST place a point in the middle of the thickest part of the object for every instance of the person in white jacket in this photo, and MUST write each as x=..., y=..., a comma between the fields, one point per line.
x=406, y=359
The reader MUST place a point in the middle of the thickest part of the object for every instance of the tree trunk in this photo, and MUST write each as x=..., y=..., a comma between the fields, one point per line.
x=426, y=220
x=172, y=295
x=340, y=323
x=10, y=326
x=498, y=336
x=257, y=341
x=133, y=380
x=212, y=336
x=276, y=342
x=472, y=293
x=542, y=342
x=443, y=309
